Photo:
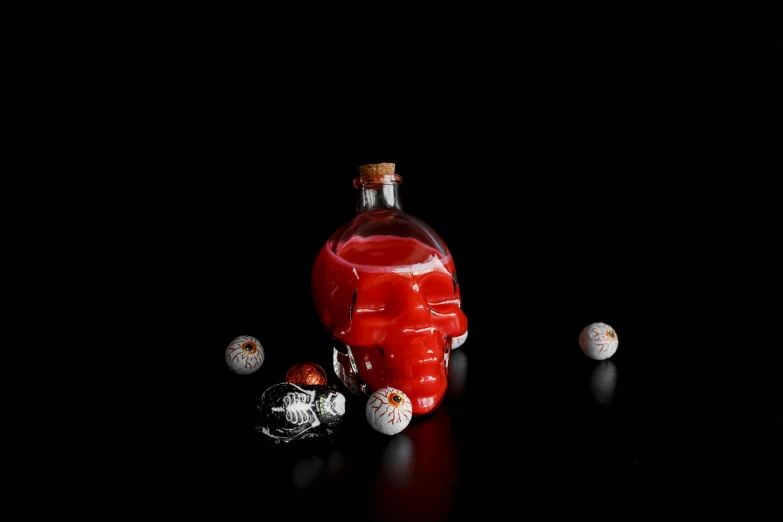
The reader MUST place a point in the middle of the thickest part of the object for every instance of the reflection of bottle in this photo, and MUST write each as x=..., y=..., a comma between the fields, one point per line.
x=385, y=287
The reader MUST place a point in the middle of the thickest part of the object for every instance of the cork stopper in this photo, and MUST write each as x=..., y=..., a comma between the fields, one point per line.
x=375, y=174
x=376, y=169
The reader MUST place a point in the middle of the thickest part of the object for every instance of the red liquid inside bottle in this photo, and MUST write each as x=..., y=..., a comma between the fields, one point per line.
x=385, y=287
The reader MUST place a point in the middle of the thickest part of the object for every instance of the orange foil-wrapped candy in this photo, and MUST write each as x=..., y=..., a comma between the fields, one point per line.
x=306, y=373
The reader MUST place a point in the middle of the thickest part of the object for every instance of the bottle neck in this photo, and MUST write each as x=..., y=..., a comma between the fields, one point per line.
x=378, y=194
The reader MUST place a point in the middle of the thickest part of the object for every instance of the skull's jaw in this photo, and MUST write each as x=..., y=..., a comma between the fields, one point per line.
x=425, y=385
x=344, y=366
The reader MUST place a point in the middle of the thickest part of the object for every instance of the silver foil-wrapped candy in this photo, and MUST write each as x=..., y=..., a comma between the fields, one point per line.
x=292, y=411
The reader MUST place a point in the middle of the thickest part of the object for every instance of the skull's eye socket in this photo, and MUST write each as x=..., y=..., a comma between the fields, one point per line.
x=249, y=348
x=395, y=399
x=438, y=292
x=610, y=334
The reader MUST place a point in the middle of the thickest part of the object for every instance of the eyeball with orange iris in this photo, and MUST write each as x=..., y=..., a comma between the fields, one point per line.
x=244, y=355
x=598, y=341
x=389, y=410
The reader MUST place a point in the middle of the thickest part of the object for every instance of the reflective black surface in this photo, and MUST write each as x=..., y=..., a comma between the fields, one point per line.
x=636, y=192
x=686, y=415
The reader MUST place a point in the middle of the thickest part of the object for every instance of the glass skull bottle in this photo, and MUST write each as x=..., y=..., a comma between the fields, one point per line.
x=385, y=288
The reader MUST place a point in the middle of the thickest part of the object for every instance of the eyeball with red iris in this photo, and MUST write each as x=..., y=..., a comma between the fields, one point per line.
x=389, y=410
x=598, y=341
x=245, y=355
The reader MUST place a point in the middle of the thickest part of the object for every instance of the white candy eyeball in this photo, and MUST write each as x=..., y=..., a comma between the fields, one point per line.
x=389, y=410
x=598, y=341
x=245, y=355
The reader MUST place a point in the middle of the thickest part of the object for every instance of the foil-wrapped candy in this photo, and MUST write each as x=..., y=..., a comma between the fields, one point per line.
x=388, y=410
x=292, y=411
x=244, y=355
x=598, y=341
x=306, y=373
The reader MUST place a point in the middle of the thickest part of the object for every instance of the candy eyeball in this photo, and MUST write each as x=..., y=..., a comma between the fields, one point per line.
x=598, y=341
x=389, y=410
x=308, y=373
x=244, y=355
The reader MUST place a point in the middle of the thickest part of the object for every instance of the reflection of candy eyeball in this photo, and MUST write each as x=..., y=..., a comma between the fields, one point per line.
x=389, y=410
x=244, y=355
x=603, y=382
x=598, y=341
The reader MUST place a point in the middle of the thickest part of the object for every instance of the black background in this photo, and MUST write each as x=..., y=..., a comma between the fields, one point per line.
x=621, y=176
